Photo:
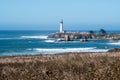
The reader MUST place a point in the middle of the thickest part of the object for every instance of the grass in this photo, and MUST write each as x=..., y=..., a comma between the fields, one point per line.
x=72, y=66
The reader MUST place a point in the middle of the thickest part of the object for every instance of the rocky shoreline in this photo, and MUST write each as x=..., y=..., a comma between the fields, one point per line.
x=72, y=36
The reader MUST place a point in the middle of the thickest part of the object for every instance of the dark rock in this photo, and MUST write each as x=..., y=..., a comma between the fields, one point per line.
x=114, y=50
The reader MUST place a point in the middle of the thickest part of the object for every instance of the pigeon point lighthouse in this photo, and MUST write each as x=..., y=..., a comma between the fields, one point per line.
x=61, y=27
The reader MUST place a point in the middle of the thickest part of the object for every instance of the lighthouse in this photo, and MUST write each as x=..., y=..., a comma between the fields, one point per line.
x=61, y=26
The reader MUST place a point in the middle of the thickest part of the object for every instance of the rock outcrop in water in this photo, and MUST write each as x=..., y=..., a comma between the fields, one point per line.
x=70, y=35
x=84, y=36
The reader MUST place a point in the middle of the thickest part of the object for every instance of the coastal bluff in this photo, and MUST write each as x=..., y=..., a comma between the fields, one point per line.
x=65, y=66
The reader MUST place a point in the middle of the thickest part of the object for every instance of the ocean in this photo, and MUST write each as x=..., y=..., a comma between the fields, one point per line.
x=36, y=42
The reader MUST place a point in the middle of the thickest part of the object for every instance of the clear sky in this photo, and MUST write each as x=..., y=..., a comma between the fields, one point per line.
x=46, y=14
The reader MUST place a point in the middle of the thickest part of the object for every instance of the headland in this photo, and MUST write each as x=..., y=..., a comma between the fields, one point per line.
x=63, y=35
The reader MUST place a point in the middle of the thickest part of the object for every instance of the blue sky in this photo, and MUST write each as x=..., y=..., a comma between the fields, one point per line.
x=46, y=14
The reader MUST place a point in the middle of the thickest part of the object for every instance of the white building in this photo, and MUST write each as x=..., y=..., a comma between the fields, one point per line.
x=61, y=27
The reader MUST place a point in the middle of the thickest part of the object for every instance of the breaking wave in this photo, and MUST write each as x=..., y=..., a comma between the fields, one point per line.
x=25, y=37
x=49, y=41
x=114, y=43
x=62, y=50
x=33, y=51
x=34, y=37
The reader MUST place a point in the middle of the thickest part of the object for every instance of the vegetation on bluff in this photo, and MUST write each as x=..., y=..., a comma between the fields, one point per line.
x=72, y=66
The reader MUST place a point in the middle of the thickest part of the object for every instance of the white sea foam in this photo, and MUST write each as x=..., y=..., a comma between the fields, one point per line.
x=34, y=51
x=26, y=37
x=34, y=37
x=49, y=41
x=114, y=43
x=61, y=50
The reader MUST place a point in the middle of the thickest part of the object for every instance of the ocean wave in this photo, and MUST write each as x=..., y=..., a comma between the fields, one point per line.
x=9, y=38
x=25, y=37
x=61, y=50
x=33, y=51
x=34, y=37
x=49, y=41
x=114, y=43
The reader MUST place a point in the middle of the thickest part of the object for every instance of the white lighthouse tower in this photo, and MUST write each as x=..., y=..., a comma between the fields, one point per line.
x=61, y=26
